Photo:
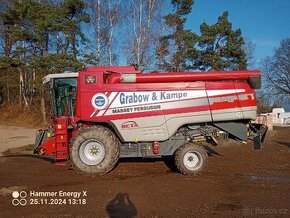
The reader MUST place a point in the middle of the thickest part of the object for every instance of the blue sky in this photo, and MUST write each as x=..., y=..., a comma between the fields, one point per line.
x=264, y=22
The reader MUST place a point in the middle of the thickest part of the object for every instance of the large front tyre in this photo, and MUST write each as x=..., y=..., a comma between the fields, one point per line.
x=94, y=150
x=191, y=159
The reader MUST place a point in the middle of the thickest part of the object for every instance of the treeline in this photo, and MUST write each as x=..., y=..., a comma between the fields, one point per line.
x=42, y=37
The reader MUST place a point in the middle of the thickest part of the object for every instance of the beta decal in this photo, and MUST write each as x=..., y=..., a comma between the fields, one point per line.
x=100, y=101
x=129, y=125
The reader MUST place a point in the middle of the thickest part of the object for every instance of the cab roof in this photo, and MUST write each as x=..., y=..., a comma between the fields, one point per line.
x=48, y=77
x=114, y=69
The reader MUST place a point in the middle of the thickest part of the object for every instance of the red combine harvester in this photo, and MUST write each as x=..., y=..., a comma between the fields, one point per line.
x=106, y=113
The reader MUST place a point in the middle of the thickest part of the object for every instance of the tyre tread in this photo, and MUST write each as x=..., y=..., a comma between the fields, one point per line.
x=179, y=156
x=104, y=135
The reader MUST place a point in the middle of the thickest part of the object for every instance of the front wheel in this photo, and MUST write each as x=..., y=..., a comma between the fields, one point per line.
x=94, y=150
x=191, y=159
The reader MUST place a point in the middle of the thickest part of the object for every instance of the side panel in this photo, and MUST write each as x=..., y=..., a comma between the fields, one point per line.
x=224, y=101
x=155, y=115
x=140, y=111
x=142, y=129
x=174, y=121
x=194, y=109
x=154, y=111
x=236, y=129
x=247, y=101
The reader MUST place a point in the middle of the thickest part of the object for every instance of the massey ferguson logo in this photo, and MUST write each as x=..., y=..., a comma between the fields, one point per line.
x=129, y=125
x=90, y=79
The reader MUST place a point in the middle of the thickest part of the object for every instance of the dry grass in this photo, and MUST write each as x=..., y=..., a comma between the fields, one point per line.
x=16, y=115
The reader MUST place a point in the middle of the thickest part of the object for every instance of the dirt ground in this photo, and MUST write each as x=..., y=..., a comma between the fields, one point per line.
x=238, y=181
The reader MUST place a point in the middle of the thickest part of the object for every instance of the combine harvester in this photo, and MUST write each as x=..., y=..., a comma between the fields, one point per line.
x=106, y=113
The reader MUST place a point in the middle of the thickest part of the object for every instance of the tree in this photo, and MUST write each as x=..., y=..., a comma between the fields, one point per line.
x=143, y=31
x=276, y=70
x=265, y=103
x=113, y=19
x=73, y=14
x=105, y=19
x=94, y=7
x=174, y=47
x=249, y=48
x=221, y=47
x=30, y=51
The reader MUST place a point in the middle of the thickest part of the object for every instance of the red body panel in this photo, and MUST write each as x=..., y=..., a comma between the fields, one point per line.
x=48, y=146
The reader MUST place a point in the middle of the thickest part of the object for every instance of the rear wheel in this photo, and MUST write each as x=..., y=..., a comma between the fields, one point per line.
x=94, y=150
x=191, y=159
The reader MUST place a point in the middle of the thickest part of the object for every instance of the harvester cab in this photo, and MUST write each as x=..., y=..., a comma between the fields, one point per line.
x=63, y=88
x=63, y=92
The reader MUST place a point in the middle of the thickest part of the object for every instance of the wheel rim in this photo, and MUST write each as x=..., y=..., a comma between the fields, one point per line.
x=92, y=152
x=192, y=160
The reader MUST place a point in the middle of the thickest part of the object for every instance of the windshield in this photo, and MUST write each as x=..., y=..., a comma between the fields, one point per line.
x=64, y=96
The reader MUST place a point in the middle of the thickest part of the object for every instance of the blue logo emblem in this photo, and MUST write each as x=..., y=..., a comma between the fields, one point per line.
x=100, y=101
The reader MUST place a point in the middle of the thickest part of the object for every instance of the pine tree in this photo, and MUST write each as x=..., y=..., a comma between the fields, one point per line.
x=173, y=50
x=73, y=14
x=221, y=47
x=40, y=38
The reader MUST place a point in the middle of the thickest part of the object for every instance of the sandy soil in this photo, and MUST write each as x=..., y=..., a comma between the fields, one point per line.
x=238, y=181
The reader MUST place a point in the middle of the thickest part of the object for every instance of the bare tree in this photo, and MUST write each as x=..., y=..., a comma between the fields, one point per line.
x=145, y=19
x=98, y=32
x=95, y=8
x=111, y=14
x=113, y=20
x=132, y=26
x=276, y=70
x=249, y=48
x=105, y=17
